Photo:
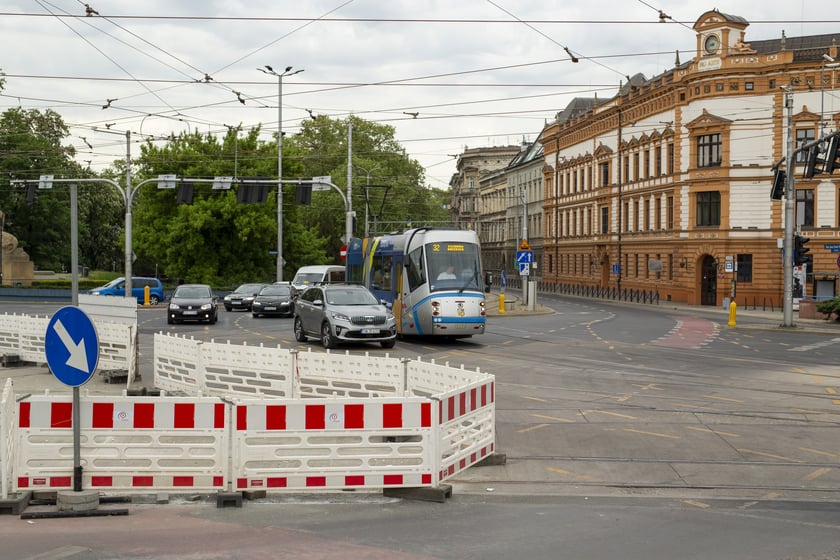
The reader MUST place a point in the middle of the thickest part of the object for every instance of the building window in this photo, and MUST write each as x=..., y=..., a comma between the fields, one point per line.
x=719, y=87
x=744, y=264
x=636, y=216
x=671, y=158
x=604, y=173
x=803, y=136
x=657, y=161
x=626, y=168
x=772, y=84
x=708, y=208
x=749, y=86
x=657, y=210
x=626, y=216
x=647, y=214
x=646, y=170
x=605, y=219
x=805, y=207
x=671, y=266
x=733, y=86
x=709, y=150
x=636, y=166
x=669, y=218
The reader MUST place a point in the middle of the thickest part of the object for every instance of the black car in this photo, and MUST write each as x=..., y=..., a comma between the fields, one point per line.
x=274, y=299
x=192, y=302
x=242, y=297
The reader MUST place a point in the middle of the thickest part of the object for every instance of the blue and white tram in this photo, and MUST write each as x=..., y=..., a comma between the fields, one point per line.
x=431, y=277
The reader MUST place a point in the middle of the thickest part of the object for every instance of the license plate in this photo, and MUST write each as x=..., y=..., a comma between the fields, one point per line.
x=236, y=301
x=190, y=312
x=370, y=331
x=271, y=309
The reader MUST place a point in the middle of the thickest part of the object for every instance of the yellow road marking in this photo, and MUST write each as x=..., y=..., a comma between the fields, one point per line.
x=770, y=455
x=696, y=504
x=712, y=431
x=816, y=379
x=831, y=390
x=818, y=452
x=621, y=398
x=553, y=418
x=610, y=414
x=572, y=475
x=651, y=433
x=722, y=398
x=649, y=386
x=771, y=495
x=799, y=370
x=531, y=428
x=816, y=474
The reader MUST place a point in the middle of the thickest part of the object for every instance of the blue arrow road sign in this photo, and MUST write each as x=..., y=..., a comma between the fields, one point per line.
x=524, y=257
x=72, y=346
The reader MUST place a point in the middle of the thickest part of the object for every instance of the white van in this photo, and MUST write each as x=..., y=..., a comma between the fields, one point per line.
x=318, y=274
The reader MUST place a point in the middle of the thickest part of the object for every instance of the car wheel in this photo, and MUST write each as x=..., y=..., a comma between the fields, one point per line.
x=327, y=338
x=228, y=308
x=153, y=300
x=213, y=319
x=300, y=336
x=255, y=315
x=170, y=320
x=388, y=343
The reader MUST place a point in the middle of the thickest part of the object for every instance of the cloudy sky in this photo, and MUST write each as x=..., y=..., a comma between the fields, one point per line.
x=446, y=75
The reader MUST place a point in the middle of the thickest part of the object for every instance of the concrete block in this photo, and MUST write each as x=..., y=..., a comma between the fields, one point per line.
x=229, y=499
x=436, y=494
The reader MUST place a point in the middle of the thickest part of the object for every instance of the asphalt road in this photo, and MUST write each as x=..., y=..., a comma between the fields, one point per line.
x=630, y=431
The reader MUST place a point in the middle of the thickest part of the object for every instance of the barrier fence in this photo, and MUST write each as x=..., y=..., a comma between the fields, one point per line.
x=257, y=418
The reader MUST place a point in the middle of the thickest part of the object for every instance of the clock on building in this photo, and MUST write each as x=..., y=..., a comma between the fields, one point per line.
x=711, y=44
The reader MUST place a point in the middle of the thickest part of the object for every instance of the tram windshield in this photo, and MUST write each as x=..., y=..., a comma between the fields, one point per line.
x=453, y=266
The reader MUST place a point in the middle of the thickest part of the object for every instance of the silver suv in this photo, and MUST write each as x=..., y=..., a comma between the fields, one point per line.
x=343, y=313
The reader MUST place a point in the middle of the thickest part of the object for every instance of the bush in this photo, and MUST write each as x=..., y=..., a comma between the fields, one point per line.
x=829, y=307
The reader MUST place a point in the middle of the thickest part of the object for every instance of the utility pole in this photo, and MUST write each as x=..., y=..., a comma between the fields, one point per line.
x=349, y=217
x=790, y=194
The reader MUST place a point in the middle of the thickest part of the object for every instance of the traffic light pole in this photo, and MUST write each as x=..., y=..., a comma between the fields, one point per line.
x=790, y=194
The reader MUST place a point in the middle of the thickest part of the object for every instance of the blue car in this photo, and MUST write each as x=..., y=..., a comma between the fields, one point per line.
x=116, y=287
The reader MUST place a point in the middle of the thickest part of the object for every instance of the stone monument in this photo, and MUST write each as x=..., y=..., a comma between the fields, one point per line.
x=16, y=269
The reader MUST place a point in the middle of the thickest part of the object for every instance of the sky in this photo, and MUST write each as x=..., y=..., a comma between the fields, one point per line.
x=446, y=75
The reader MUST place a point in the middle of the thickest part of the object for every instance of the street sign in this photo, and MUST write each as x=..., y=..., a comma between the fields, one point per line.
x=504, y=280
x=343, y=253
x=524, y=245
x=524, y=257
x=72, y=346
x=833, y=247
x=524, y=269
x=321, y=183
x=616, y=268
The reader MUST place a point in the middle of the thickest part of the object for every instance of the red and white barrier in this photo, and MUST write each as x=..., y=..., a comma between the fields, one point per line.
x=334, y=444
x=126, y=443
x=7, y=441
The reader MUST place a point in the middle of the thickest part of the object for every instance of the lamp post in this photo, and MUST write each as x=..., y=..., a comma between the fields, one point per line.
x=367, y=196
x=287, y=72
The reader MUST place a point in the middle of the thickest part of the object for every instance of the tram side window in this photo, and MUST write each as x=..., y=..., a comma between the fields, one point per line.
x=415, y=271
x=381, y=268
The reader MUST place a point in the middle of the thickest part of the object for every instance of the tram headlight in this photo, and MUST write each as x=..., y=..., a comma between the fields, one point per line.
x=483, y=306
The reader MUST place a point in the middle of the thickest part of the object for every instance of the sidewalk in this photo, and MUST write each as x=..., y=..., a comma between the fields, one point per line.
x=768, y=318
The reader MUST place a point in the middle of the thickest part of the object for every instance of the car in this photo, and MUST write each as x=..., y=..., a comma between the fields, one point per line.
x=192, y=302
x=116, y=287
x=318, y=274
x=242, y=297
x=337, y=313
x=274, y=299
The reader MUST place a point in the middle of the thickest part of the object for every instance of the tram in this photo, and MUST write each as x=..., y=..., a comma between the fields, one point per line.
x=431, y=278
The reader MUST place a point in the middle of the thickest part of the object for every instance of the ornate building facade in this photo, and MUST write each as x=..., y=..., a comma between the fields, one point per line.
x=666, y=187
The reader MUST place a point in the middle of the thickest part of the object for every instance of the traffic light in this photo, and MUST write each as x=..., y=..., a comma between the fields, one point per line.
x=832, y=157
x=779, y=183
x=814, y=165
x=185, y=193
x=303, y=195
x=800, y=251
x=254, y=191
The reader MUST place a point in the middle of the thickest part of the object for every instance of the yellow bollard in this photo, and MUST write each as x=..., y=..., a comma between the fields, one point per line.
x=732, y=308
x=501, y=304
x=146, y=291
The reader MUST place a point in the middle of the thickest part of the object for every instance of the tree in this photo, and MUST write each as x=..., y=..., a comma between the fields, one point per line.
x=214, y=239
x=30, y=146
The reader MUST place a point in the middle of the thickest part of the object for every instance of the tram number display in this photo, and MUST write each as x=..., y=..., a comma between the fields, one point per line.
x=448, y=247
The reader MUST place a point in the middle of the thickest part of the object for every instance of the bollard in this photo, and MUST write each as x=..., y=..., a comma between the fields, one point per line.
x=502, y=304
x=732, y=307
x=146, y=295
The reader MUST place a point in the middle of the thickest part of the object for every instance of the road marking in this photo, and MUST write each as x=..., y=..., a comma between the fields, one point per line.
x=649, y=386
x=610, y=414
x=669, y=436
x=816, y=474
x=572, y=475
x=818, y=452
x=722, y=398
x=780, y=457
x=712, y=431
x=535, y=399
x=747, y=505
x=815, y=345
x=553, y=418
x=831, y=390
x=531, y=428
x=696, y=504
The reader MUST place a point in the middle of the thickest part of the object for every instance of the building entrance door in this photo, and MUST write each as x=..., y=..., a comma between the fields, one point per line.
x=708, y=286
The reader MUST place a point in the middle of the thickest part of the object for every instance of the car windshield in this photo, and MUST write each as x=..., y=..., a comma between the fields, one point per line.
x=248, y=288
x=275, y=291
x=350, y=297
x=308, y=277
x=192, y=292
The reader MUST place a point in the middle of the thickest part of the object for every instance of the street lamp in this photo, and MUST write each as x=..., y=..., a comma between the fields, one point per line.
x=287, y=72
x=367, y=200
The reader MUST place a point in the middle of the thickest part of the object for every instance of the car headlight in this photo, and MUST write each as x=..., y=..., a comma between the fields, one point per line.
x=389, y=315
x=206, y=306
x=339, y=316
x=248, y=298
x=257, y=304
x=174, y=306
x=227, y=297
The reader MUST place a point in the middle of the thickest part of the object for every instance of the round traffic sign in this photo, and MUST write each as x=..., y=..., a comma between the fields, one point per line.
x=71, y=346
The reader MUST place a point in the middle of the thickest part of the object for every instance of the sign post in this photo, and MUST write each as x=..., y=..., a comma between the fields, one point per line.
x=72, y=350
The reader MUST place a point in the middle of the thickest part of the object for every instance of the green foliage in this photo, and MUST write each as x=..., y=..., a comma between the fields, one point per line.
x=829, y=307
